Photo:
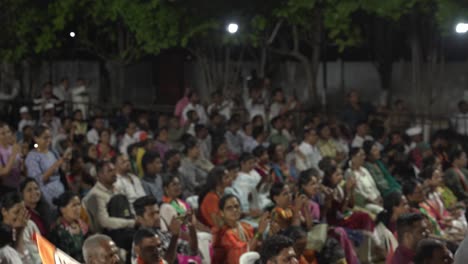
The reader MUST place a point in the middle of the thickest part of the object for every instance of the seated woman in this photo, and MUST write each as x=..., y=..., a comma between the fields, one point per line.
x=456, y=177
x=37, y=208
x=277, y=155
x=235, y=238
x=218, y=180
x=105, y=151
x=382, y=177
x=221, y=153
x=395, y=205
x=43, y=165
x=90, y=159
x=341, y=211
x=69, y=231
x=309, y=185
x=173, y=206
x=367, y=195
x=451, y=224
x=15, y=216
x=327, y=145
x=285, y=214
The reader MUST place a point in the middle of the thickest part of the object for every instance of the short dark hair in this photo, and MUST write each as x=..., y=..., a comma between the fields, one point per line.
x=142, y=234
x=257, y=131
x=295, y=233
x=39, y=130
x=406, y=222
x=168, y=178
x=8, y=200
x=306, y=176
x=275, y=120
x=272, y=247
x=259, y=150
x=276, y=190
x=455, y=154
x=427, y=172
x=100, y=165
x=231, y=165
x=140, y=204
x=408, y=187
x=148, y=158
x=425, y=250
x=171, y=153
x=245, y=157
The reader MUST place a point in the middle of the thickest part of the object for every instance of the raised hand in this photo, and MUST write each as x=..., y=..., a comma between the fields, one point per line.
x=264, y=221
x=174, y=226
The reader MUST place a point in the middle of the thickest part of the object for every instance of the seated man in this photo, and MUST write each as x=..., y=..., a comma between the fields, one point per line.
x=100, y=249
x=152, y=181
x=127, y=183
x=99, y=196
x=411, y=228
x=147, y=216
x=245, y=186
x=278, y=249
x=147, y=247
x=431, y=251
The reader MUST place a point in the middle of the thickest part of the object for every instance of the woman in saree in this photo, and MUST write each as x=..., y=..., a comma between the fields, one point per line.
x=235, y=238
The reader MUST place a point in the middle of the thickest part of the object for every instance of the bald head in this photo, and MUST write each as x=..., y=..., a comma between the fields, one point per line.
x=100, y=249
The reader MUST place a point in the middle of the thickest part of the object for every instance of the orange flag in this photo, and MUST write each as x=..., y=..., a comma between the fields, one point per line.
x=50, y=254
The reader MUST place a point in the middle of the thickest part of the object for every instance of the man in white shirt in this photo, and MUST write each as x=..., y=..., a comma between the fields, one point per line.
x=129, y=137
x=93, y=134
x=80, y=98
x=245, y=186
x=99, y=196
x=61, y=90
x=255, y=104
x=311, y=156
x=362, y=134
x=223, y=107
x=195, y=105
x=127, y=183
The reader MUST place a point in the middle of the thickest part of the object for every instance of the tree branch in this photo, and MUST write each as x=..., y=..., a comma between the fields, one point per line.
x=274, y=32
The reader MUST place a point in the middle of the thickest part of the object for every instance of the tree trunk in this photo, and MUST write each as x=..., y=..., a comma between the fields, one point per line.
x=416, y=58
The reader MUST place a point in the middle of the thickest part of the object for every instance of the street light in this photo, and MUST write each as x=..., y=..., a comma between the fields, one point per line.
x=461, y=28
x=72, y=34
x=232, y=28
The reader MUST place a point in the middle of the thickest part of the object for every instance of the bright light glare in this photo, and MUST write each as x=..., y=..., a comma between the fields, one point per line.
x=35, y=145
x=462, y=28
x=72, y=34
x=232, y=28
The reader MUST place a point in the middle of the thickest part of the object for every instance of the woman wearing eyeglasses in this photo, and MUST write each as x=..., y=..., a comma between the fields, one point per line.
x=235, y=237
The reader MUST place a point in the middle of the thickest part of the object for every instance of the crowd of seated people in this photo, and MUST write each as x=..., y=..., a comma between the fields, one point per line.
x=254, y=179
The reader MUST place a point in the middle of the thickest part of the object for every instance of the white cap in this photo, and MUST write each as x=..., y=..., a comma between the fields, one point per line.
x=49, y=106
x=24, y=109
x=414, y=131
